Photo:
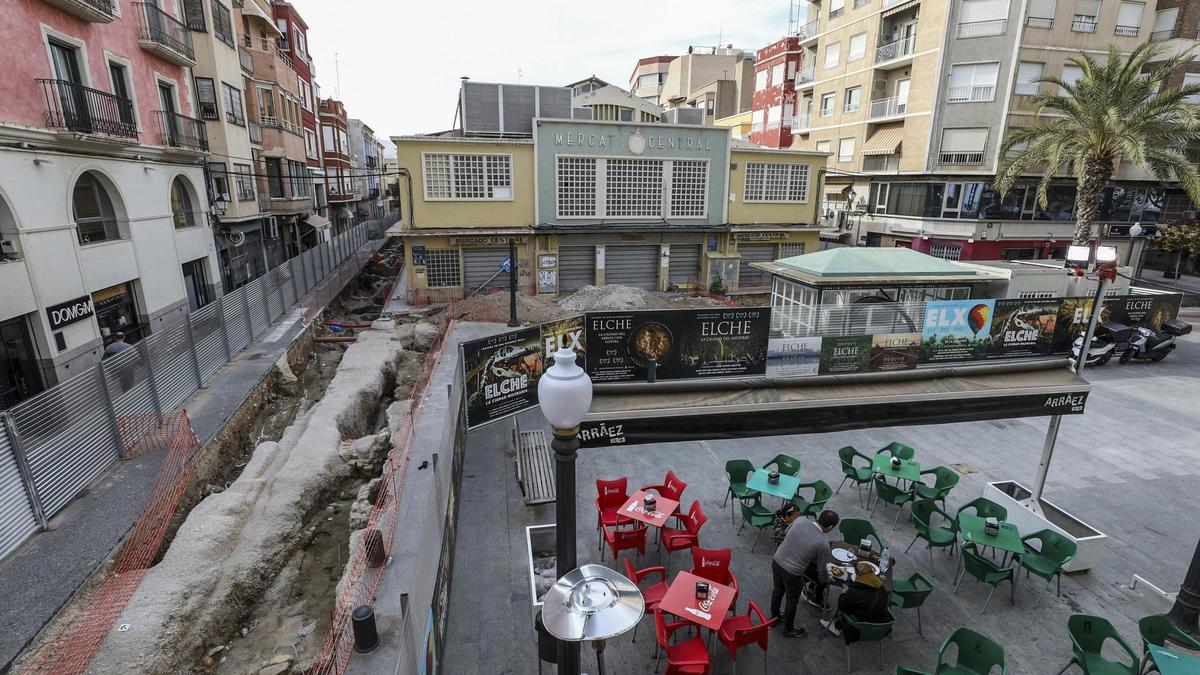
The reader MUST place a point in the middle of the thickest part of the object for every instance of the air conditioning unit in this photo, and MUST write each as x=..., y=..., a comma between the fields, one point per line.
x=880, y=87
x=10, y=248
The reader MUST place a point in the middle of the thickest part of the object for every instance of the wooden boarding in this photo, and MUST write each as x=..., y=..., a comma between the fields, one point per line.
x=535, y=465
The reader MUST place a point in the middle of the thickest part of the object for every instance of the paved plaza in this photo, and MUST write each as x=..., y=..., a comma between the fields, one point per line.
x=1128, y=467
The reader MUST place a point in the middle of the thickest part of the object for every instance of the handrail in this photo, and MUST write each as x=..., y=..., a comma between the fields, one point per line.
x=181, y=131
x=894, y=50
x=164, y=29
x=72, y=106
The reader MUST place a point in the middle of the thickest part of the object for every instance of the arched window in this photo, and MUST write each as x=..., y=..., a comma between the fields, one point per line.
x=181, y=204
x=95, y=219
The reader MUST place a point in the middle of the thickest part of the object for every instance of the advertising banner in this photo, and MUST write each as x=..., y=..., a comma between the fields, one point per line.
x=1023, y=328
x=845, y=354
x=1148, y=311
x=956, y=330
x=683, y=343
x=793, y=357
x=565, y=333
x=500, y=374
x=897, y=351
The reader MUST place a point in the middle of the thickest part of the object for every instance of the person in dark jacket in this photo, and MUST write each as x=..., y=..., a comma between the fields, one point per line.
x=865, y=600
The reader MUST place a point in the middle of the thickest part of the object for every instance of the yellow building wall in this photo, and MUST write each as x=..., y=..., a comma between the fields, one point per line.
x=742, y=212
x=458, y=214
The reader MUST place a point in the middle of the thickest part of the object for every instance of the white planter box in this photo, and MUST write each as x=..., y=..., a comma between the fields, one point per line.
x=539, y=540
x=1088, y=540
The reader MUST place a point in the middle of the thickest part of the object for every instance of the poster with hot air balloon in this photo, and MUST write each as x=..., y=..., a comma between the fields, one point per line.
x=956, y=330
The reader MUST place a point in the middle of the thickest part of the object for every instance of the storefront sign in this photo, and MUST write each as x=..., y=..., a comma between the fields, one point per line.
x=845, y=354
x=69, y=312
x=418, y=255
x=956, y=330
x=683, y=343
x=760, y=236
x=484, y=241
x=547, y=262
x=1023, y=328
x=793, y=357
x=500, y=374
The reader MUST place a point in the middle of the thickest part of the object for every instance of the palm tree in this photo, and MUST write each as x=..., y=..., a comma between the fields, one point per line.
x=1117, y=110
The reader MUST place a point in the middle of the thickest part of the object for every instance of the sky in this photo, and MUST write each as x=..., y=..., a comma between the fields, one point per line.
x=398, y=62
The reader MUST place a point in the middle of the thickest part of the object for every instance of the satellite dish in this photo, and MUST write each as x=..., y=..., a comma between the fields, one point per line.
x=236, y=237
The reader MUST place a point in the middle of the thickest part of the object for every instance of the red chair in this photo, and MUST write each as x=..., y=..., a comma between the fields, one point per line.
x=677, y=539
x=652, y=595
x=623, y=539
x=671, y=488
x=686, y=657
x=713, y=564
x=610, y=497
x=739, y=631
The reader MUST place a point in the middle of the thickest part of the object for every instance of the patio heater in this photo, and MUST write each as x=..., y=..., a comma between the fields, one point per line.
x=565, y=395
x=591, y=604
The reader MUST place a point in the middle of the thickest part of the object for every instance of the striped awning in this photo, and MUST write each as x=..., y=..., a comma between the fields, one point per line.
x=251, y=8
x=884, y=142
x=899, y=8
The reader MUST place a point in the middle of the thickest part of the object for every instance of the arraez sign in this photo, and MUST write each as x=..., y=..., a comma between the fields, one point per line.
x=69, y=312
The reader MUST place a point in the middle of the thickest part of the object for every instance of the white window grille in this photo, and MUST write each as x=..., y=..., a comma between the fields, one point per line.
x=468, y=177
x=776, y=182
x=576, y=186
x=441, y=268
x=791, y=249
x=634, y=187
x=1035, y=295
x=946, y=251
x=689, y=183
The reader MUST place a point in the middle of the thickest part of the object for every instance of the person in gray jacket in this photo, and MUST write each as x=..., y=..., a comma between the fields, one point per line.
x=804, y=553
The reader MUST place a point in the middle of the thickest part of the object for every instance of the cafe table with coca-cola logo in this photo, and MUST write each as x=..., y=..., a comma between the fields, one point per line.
x=707, y=608
x=657, y=514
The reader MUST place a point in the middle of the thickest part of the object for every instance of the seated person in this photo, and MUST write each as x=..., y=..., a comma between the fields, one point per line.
x=864, y=600
x=786, y=515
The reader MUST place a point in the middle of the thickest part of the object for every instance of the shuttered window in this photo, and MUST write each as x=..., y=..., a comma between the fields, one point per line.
x=776, y=182
x=468, y=177
x=206, y=94
x=595, y=187
x=222, y=23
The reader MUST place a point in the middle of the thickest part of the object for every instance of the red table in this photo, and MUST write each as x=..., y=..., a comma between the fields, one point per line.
x=680, y=600
x=663, y=508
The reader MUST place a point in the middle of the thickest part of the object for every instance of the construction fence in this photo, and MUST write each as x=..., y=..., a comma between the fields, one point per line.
x=53, y=445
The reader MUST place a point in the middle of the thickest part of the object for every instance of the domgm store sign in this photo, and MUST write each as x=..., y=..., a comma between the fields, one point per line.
x=69, y=312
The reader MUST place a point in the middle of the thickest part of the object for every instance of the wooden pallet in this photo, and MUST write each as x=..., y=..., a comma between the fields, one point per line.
x=535, y=465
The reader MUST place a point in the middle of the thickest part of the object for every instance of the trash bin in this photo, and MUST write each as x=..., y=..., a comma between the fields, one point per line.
x=547, y=643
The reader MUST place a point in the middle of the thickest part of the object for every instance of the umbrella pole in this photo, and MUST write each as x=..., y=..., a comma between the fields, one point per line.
x=599, y=645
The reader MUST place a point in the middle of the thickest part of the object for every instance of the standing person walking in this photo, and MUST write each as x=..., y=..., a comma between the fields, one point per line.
x=804, y=553
x=118, y=345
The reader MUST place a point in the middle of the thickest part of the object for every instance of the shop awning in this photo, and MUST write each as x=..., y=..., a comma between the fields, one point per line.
x=631, y=414
x=317, y=222
x=251, y=8
x=900, y=8
x=884, y=142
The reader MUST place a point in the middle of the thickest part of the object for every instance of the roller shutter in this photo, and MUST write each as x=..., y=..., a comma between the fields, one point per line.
x=576, y=267
x=685, y=264
x=479, y=264
x=752, y=277
x=16, y=515
x=635, y=266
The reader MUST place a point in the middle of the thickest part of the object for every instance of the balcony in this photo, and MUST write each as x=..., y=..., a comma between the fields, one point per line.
x=895, y=54
x=801, y=123
x=246, y=59
x=1127, y=31
x=960, y=158
x=1084, y=24
x=1162, y=35
x=881, y=163
x=255, y=131
x=976, y=29
x=887, y=107
x=80, y=109
x=1039, y=22
x=808, y=31
x=974, y=93
x=892, y=3
x=181, y=131
x=93, y=11
x=806, y=76
x=164, y=35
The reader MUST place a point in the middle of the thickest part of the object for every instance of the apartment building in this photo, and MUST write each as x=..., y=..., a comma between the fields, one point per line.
x=777, y=68
x=610, y=102
x=103, y=198
x=913, y=99
x=711, y=78
x=342, y=185
x=648, y=77
x=366, y=161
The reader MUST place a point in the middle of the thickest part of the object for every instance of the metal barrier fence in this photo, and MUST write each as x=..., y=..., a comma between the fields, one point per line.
x=55, y=444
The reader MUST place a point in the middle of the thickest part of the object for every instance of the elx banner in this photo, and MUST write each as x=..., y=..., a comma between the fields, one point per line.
x=501, y=374
x=683, y=343
x=956, y=330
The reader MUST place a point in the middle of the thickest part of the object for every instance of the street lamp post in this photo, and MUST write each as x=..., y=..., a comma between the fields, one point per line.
x=565, y=395
x=1186, y=610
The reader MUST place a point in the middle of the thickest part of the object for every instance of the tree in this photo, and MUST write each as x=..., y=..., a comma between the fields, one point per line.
x=1117, y=110
x=1181, y=237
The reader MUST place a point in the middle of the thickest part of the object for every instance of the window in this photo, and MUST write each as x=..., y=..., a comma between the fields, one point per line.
x=853, y=99
x=775, y=116
x=1085, y=17
x=1027, y=75
x=634, y=187
x=972, y=82
x=195, y=280
x=827, y=103
x=441, y=268
x=120, y=88
x=281, y=24
x=467, y=176
x=576, y=186
x=95, y=218
x=298, y=173
x=761, y=79
x=327, y=134
x=963, y=146
x=305, y=95
x=625, y=115
x=756, y=119
x=275, y=178
x=244, y=179
x=689, y=188
x=982, y=18
x=836, y=7
x=776, y=182
x=1041, y=13
x=1164, y=24
x=181, y=205
x=310, y=144
x=833, y=53
x=206, y=94
x=1129, y=19
x=1070, y=75
x=791, y=249
x=234, y=111
x=846, y=150
x=1191, y=79
x=946, y=251
x=777, y=73
x=299, y=41
x=266, y=107
x=222, y=23
x=218, y=175
x=858, y=47
x=824, y=146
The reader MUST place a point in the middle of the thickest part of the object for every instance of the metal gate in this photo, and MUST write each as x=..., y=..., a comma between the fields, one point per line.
x=576, y=267
x=635, y=266
x=752, y=277
x=16, y=514
x=480, y=264
x=684, y=266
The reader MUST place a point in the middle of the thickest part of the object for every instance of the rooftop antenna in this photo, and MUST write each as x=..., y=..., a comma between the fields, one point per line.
x=337, y=72
x=794, y=18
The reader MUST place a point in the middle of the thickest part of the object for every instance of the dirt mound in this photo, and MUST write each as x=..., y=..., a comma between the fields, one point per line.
x=615, y=297
x=493, y=307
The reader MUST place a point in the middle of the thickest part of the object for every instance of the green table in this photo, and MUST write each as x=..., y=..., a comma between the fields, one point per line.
x=1171, y=662
x=973, y=529
x=784, y=489
x=909, y=470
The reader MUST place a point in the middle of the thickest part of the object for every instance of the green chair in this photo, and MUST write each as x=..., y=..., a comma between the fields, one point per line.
x=757, y=515
x=737, y=470
x=897, y=450
x=1088, y=635
x=812, y=508
x=1054, y=551
x=858, y=474
x=986, y=570
x=910, y=593
x=854, y=530
x=945, y=478
x=977, y=654
x=984, y=508
x=936, y=536
x=886, y=492
x=867, y=632
x=1155, y=630
x=787, y=465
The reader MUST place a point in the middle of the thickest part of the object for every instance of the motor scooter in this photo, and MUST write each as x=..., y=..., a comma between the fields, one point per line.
x=1104, y=343
x=1148, y=344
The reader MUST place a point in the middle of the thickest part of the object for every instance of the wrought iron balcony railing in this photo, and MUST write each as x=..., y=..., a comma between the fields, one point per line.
x=181, y=131
x=165, y=30
x=72, y=106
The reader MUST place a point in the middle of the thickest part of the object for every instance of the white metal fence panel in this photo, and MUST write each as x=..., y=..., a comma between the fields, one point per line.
x=209, y=338
x=128, y=384
x=237, y=324
x=172, y=365
x=16, y=513
x=258, y=311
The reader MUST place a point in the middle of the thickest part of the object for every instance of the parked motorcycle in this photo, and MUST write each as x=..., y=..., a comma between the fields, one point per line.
x=1104, y=343
x=1152, y=345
